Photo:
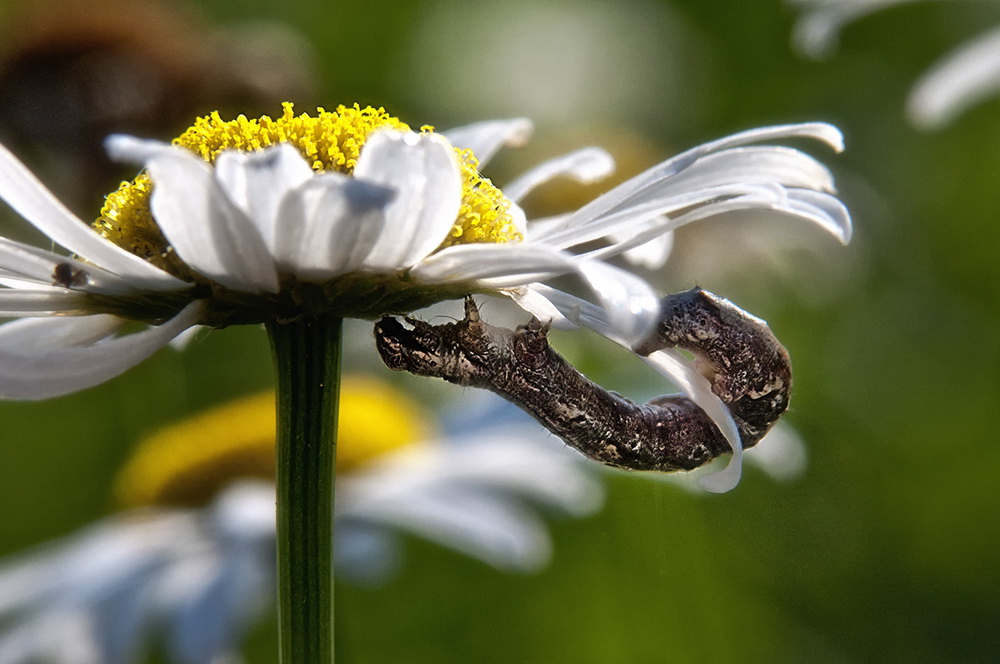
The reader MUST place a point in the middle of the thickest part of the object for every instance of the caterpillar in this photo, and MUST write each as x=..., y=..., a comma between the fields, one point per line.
x=745, y=364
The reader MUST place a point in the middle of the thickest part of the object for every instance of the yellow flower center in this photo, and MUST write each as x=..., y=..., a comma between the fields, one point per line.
x=328, y=141
x=191, y=461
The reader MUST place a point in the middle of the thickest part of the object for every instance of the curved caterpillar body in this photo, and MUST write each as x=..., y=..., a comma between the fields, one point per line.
x=745, y=364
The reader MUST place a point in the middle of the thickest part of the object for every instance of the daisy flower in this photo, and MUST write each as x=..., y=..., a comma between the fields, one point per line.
x=349, y=212
x=188, y=563
x=959, y=80
x=302, y=221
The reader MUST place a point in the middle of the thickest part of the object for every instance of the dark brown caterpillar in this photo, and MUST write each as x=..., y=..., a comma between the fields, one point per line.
x=747, y=367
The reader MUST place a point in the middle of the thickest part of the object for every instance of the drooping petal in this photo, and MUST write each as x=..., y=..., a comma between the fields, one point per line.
x=958, y=81
x=256, y=182
x=40, y=208
x=35, y=335
x=819, y=208
x=632, y=189
x=205, y=228
x=750, y=164
x=541, y=307
x=633, y=219
x=498, y=265
x=328, y=226
x=825, y=210
x=424, y=172
x=486, y=138
x=55, y=363
x=631, y=306
x=585, y=166
x=675, y=367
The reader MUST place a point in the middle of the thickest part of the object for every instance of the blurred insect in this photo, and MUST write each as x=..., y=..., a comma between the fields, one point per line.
x=748, y=369
x=67, y=276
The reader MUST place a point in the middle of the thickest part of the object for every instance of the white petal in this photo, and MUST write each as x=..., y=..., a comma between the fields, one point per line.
x=184, y=339
x=635, y=219
x=486, y=138
x=731, y=172
x=585, y=165
x=822, y=209
x=39, y=265
x=18, y=283
x=37, y=335
x=205, y=228
x=633, y=188
x=538, y=305
x=328, y=226
x=23, y=302
x=510, y=263
x=631, y=305
x=825, y=210
x=675, y=367
x=961, y=79
x=753, y=164
x=37, y=370
x=573, y=311
x=424, y=171
x=652, y=254
x=256, y=182
x=40, y=208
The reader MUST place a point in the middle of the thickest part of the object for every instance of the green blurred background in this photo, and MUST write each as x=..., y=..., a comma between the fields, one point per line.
x=886, y=549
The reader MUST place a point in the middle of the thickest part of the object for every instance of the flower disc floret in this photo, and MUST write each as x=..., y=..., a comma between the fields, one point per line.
x=330, y=141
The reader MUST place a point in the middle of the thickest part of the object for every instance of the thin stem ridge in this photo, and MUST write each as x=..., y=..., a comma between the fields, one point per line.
x=307, y=361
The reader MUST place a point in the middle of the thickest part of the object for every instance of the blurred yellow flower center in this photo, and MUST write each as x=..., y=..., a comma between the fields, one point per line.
x=189, y=462
x=328, y=141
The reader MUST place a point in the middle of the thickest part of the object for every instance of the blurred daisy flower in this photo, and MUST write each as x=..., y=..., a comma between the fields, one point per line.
x=959, y=80
x=189, y=561
x=349, y=213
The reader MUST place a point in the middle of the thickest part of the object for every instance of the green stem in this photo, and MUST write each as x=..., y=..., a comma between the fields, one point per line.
x=307, y=359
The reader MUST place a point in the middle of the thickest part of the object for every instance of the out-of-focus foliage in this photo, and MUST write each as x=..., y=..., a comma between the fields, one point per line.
x=885, y=550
